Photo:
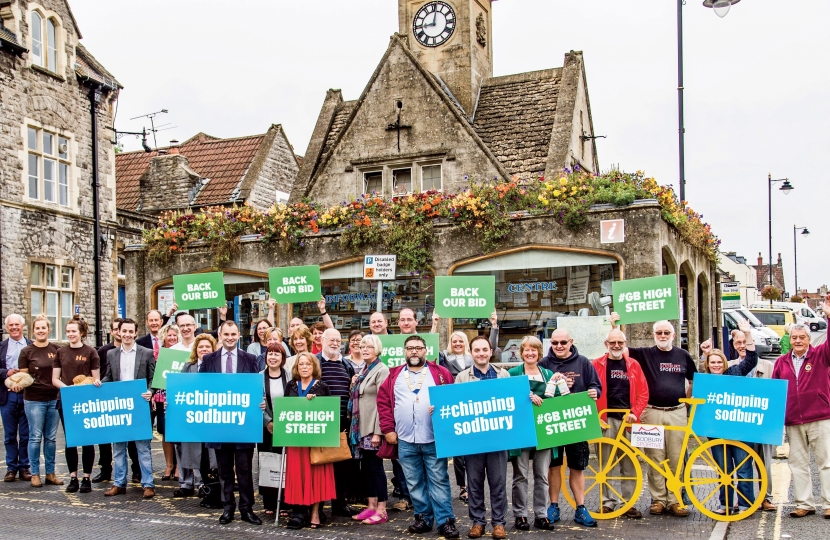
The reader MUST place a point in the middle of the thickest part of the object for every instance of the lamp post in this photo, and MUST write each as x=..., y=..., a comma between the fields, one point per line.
x=786, y=187
x=804, y=232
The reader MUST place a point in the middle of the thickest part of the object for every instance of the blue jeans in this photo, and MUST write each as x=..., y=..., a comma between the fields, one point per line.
x=43, y=420
x=16, y=432
x=399, y=480
x=427, y=480
x=734, y=457
x=145, y=462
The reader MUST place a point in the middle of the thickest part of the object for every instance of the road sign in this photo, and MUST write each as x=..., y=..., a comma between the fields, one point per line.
x=612, y=231
x=379, y=267
x=730, y=295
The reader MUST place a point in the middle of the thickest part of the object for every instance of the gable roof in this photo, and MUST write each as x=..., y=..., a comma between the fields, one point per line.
x=223, y=161
x=88, y=68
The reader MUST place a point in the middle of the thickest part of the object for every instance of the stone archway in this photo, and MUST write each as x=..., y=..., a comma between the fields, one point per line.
x=668, y=261
x=687, y=282
x=704, y=309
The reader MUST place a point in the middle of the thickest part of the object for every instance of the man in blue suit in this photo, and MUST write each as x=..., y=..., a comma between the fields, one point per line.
x=15, y=425
x=231, y=359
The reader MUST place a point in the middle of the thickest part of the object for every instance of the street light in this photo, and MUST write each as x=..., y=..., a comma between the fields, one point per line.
x=786, y=187
x=804, y=232
x=720, y=7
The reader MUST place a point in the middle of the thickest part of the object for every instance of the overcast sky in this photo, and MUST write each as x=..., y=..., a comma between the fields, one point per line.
x=756, y=87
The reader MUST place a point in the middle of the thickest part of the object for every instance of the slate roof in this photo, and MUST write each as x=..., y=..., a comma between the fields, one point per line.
x=87, y=67
x=337, y=124
x=514, y=118
x=223, y=161
x=9, y=40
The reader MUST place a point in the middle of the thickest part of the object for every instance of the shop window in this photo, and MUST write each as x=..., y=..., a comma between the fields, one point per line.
x=431, y=177
x=373, y=183
x=48, y=164
x=401, y=180
x=52, y=292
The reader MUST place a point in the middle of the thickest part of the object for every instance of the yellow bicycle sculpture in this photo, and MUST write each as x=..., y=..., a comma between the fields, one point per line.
x=703, y=477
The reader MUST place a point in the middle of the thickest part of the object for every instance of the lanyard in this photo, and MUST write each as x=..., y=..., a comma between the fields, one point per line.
x=415, y=388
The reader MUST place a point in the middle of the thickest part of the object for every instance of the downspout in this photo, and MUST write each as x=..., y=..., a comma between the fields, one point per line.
x=94, y=100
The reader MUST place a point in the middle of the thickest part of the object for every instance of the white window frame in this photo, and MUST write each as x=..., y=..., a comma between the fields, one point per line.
x=423, y=166
x=55, y=187
x=387, y=171
x=55, y=298
x=365, y=183
x=50, y=29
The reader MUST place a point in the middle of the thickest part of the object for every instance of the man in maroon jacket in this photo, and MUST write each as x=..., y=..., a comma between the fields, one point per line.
x=807, y=421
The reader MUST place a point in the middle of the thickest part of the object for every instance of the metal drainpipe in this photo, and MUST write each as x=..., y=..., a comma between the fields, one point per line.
x=94, y=99
x=2, y=315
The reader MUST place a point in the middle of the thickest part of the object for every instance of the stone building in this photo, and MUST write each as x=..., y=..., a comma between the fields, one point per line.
x=431, y=116
x=53, y=90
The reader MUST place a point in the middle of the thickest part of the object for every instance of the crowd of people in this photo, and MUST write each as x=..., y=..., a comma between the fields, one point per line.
x=385, y=413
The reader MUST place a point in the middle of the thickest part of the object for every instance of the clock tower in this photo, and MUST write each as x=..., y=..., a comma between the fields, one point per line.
x=453, y=40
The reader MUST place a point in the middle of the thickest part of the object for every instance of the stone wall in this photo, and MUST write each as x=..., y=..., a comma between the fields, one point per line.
x=170, y=181
x=277, y=170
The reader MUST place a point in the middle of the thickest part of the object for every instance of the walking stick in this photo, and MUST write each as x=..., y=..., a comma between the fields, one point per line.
x=279, y=489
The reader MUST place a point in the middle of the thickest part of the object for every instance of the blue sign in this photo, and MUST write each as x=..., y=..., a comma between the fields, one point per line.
x=482, y=416
x=115, y=412
x=743, y=409
x=214, y=407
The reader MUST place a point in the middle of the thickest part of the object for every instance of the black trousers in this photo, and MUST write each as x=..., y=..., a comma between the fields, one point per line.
x=229, y=457
x=72, y=453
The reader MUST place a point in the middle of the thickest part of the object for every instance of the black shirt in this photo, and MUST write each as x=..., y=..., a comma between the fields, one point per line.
x=338, y=381
x=618, y=387
x=666, y=373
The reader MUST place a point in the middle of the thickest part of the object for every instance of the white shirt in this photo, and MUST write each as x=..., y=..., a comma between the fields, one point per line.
x=182, y=347
x=127, y=363
x=13, y=352
x=225, y=360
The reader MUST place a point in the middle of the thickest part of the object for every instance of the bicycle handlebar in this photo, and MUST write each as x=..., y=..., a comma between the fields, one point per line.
x=692, y=401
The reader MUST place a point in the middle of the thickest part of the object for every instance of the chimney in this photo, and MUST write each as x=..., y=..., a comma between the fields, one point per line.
x=760, y=260
x=779, y=259
x=174, y=147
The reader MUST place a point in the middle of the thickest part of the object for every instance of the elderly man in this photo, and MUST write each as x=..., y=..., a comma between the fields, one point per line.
x=667, y=369
x=15, y=425
x=187, y=327
x=624, y=387
x=405, y=413
x=807, y=420
x=564, y=358
x=151, y=340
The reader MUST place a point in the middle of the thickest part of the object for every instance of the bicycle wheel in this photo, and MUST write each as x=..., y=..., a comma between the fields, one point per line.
x=600, y=474
x=705, y=476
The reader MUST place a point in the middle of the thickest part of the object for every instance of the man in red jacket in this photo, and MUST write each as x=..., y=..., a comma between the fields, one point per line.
x=807, y=421
x=624, y=387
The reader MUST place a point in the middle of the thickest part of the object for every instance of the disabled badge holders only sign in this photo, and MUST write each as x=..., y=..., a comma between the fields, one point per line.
x=646, y=300
x=380, y=267
x=467, y=297
x=394, y=353
x=566, y=420
x=115, y=412
x=214, y=407
x=743, y=409
x=482, y=416
x=199, y=291
x=305, y=423
x=291, y=284
x=169, y=361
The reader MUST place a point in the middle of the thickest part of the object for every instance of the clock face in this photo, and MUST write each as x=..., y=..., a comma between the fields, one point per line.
x=434, y=24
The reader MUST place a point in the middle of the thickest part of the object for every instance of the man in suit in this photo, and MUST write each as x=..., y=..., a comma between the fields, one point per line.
x=131, y=362
x=231, y=359
x=15, y=425
x=151, y=340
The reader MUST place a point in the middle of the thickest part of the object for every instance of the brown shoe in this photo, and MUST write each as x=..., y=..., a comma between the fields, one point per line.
x=827, y=514
x=476, y=531
x=499, y=533
x=606, y=510
x=657, y=508
x=767, y=506
x=675, y=510
x=25, y=474
x=800, y=512
x=149, y=493
x=633, y=513
x=53, y=480
x=11, y=476
x=36, y=481
x=115, y=490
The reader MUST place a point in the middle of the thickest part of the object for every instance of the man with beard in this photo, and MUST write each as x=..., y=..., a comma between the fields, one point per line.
x=405, y=414
x=667, y=368
x=565, y=362
x=625, y=388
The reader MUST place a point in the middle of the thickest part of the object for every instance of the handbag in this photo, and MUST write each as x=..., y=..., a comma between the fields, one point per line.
x=387, y=451
x=270, y=466
x=320, y=455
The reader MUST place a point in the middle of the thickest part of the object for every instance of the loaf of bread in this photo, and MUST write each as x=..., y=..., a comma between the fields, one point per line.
x=24, y=380
x=81, y=380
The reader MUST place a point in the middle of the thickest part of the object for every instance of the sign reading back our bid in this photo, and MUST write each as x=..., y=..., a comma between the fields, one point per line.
x=646, y=299
x=199, y=291
x=467, y=297
x=291, y=284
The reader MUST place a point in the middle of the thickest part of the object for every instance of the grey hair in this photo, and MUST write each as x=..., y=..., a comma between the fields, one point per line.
x=654, y=327
x=21, y=317
x=801, y=326
x=734, y=333
x=608, y=335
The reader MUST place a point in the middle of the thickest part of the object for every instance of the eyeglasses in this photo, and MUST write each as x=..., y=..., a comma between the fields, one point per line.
x=560, y=343
x=615, y=342
x=415, y=349
x=367, y=347
x=187, y=325
x=663, y=332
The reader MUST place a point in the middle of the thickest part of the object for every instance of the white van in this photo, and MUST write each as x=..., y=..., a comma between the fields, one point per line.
x=802, y=312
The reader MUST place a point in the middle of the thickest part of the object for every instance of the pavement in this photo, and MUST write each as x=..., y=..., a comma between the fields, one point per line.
x=49, y=513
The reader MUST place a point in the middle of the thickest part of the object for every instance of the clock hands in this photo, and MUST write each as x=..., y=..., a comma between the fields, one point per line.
x=434, y=15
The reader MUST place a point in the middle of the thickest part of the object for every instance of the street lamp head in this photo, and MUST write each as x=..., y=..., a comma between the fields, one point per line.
x=805, y=231
x=720, y=7
x=786, y=187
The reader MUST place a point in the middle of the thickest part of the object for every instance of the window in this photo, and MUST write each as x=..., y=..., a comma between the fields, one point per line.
x=402, y=180
x=122, y=266
x=431, y=177
x=53, y=293
x=44, y=33
x=373, y=182
x=49, y=171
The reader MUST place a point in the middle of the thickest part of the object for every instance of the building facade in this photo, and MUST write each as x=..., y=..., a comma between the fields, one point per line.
x=53, y=92
x=736, y=269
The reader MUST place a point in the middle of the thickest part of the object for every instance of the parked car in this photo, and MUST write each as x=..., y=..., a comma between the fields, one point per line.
x=731, y=318
x=802, y=312
x=775, y=319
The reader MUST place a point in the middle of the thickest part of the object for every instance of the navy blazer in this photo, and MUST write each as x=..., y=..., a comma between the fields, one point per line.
x=4, y=348
x=146, y=341
x=245, y=363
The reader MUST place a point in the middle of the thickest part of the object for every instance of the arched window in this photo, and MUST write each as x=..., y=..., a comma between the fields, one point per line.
x=51, y=45
x=45, y=34
x=37, y=39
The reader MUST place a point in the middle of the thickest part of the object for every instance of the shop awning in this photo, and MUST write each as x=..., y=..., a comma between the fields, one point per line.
x=534, y=258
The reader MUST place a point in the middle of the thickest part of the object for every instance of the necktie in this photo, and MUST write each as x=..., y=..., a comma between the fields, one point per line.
x=155, y=348
x=229, y=363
